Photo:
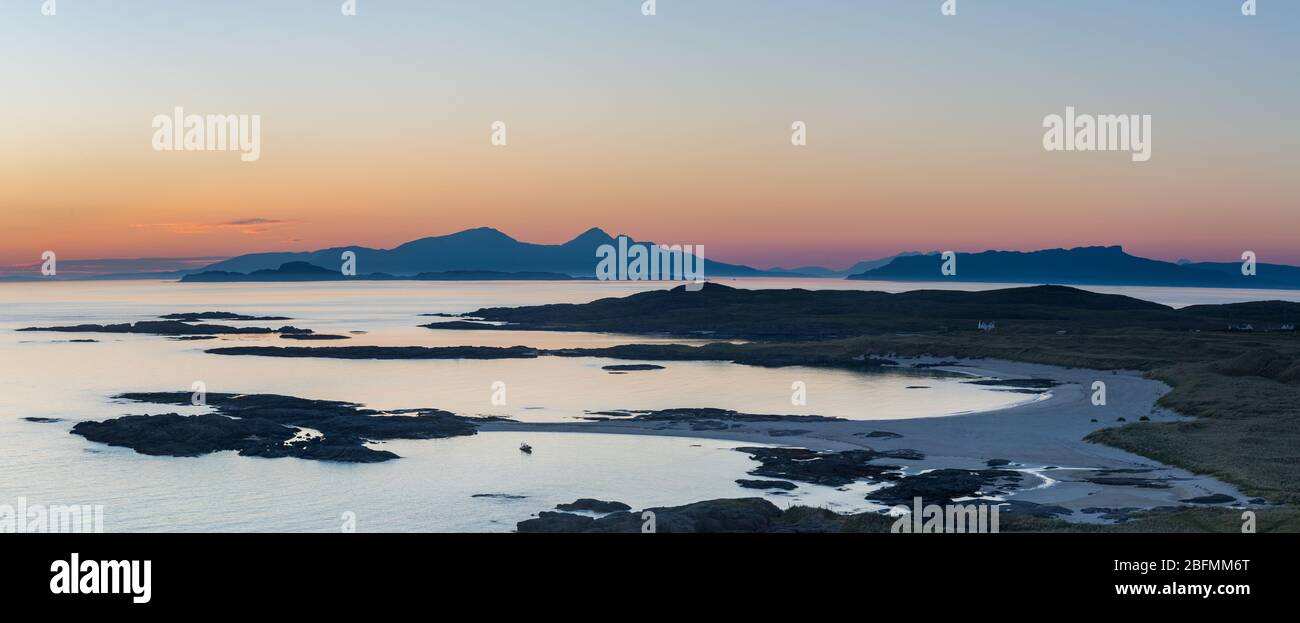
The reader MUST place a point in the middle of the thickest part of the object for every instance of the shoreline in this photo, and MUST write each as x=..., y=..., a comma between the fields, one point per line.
x=1043, y=438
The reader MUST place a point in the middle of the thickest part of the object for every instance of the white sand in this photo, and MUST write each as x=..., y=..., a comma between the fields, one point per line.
x=1045, y=433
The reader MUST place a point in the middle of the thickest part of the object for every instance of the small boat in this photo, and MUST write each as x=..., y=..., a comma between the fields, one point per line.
x=525, y=448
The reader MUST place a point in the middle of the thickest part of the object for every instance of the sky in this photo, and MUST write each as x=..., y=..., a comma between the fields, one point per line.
x=924, y=131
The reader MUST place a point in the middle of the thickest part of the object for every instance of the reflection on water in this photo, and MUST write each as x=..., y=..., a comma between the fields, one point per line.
x=432, y=488
x=48, y=376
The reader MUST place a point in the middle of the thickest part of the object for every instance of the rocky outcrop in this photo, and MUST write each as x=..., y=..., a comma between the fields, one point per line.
x=783, y=485
x=833, y=469
x=631, y=367
x=724, y=415
x=383, y=352
x=267, y=425
x=594, y=506
x=1213, y=498
x=169, y=327
x=219, y=315
x=941, y=486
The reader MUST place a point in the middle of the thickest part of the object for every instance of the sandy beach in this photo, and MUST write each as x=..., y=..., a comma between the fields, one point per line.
x=1043, y=438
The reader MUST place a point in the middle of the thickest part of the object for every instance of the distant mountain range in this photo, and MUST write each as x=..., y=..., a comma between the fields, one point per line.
x=485, y=253
x=480, y=249
x=860, y=267
x=491, y=252
x=1083, y=266
x=302, y=271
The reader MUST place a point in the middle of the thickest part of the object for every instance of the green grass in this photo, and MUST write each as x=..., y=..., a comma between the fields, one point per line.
x=1245, y=432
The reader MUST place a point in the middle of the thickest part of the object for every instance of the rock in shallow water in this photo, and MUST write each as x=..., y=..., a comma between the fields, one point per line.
x=784, y=485
x=1214, y=498
x=594, y=506
x=631, y=367
x=833, y=469
x=941, y=486
x=266, y=425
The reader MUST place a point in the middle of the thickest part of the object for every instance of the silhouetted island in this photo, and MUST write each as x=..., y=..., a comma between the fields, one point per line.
x=267, y=425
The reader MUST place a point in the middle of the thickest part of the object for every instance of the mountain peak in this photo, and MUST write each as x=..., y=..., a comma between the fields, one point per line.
x=480, y=233
x=595, y=235
x=477, y=235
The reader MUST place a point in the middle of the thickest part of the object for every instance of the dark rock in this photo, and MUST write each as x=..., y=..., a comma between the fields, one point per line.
x=833, y=469
x=312, y=336
x=631, y=367
x=1021, y=383
x=1215, y=498
x=383, y=352
x=766, y=484
x=265, y=425
x=178, y=435
x=690, y=414
x=218, y=315
x=593, y=506
x=550, y=521
x=941, y=486
x=997, y=462
x=880, y=434
x=43, y=420
x=337, y=448
x=157, y=327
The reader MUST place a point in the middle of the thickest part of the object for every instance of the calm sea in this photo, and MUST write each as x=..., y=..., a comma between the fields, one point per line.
x=434, y=486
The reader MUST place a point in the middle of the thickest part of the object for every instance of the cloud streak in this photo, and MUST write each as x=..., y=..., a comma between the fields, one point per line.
x=246, y=226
